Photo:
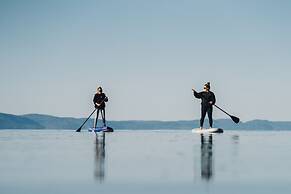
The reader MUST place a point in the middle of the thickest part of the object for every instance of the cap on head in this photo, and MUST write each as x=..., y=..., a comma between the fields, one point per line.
x=207, y=85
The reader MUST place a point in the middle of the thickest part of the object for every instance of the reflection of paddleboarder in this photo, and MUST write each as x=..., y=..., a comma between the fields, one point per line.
x=100, y=157
x=206, y=157
x=99, y=102
x=208, y=100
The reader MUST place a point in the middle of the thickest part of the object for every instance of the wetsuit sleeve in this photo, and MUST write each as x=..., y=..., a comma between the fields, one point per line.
x=197, y=95
x=94, y=99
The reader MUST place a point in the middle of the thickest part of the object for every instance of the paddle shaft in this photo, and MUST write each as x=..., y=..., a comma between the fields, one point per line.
x=78, y=130
x=222, y=110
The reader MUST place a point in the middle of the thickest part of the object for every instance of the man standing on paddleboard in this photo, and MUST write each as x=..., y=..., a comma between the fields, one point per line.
x=99, y=103
x=208, y=100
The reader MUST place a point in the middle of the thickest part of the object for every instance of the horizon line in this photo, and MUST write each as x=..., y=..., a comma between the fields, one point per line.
x=141, y=119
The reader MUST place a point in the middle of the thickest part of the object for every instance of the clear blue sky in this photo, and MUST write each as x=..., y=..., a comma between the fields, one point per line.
x=147, y=55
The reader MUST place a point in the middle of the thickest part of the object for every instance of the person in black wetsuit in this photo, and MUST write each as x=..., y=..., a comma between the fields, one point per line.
x=208, y=100
x=99, y=103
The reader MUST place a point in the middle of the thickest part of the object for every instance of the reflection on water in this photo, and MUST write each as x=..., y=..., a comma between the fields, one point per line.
x=235, y=139
x=100, y=157
x=206, y=157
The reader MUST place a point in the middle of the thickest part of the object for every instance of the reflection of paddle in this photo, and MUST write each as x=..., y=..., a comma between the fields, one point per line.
x=80, y=128
x=235, y=119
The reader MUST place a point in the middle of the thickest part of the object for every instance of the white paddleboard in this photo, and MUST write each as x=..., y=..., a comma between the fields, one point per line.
x=211, y=130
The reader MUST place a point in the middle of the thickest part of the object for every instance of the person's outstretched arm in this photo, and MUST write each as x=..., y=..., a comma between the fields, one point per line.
x=196, y=94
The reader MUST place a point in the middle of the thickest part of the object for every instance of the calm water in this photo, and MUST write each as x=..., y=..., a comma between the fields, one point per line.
x=54, y=161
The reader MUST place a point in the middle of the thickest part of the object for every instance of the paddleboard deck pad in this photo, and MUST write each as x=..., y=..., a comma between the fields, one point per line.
x=100, y=129
x=211, y=130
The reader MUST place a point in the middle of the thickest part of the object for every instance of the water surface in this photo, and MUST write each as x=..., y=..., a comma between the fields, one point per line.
x=59, y=161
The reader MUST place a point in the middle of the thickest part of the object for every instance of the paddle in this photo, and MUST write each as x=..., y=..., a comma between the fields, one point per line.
x=233, y=118
x=80, y=128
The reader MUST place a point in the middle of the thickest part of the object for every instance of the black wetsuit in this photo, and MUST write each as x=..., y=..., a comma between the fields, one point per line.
x=206, y=107
x=100, y=99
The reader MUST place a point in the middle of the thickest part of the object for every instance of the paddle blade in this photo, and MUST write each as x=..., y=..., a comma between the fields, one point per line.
x=78, y=130
x=235, y=119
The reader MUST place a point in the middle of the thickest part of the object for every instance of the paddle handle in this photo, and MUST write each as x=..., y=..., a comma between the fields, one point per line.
x=103, y=100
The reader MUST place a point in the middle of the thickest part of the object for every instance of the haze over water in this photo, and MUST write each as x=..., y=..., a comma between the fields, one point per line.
x=56, y=161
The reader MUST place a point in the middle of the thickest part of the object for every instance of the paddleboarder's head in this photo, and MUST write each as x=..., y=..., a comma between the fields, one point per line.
x=99, y=90
x=207, y=86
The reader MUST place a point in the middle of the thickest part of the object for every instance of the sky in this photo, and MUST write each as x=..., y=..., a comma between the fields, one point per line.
x=147, y=55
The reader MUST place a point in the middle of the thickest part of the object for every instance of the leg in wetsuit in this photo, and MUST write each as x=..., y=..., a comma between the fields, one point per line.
x=96, y=118
x=102, y=115
x=206, y=109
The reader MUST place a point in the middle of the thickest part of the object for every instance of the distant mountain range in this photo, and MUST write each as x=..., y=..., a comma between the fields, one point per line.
x=40, y=121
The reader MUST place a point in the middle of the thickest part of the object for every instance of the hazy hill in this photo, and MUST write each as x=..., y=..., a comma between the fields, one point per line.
x=9, y=121
x=39, y=121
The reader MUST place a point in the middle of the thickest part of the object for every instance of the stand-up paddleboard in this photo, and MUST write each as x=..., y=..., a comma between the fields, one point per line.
x=100, y=129
x=211, y=130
